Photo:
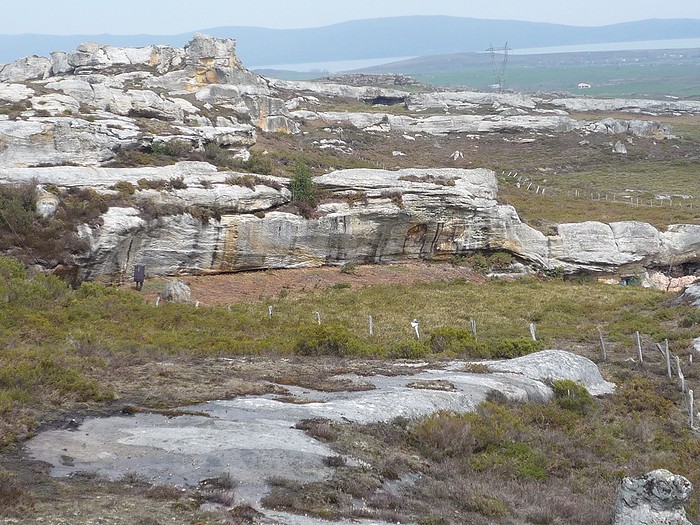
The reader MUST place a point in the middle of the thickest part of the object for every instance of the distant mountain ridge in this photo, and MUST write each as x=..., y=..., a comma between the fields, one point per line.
x=373, y=38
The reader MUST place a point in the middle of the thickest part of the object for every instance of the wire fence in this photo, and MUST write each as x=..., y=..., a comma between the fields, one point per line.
x=538, y=188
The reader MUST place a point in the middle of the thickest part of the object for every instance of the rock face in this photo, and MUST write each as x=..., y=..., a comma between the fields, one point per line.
x=370, y=216
x=656, y=498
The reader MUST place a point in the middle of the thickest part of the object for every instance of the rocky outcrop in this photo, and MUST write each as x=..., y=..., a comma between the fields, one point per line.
x=444, y=124
x=578, y=104
x=467, y=100
x=370, y=216
x=656, y=498
x=329, y=89
x=81, y=107
x=63, y=140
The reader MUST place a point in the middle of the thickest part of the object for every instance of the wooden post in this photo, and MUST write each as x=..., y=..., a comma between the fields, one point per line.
x=667, y=354
x=371, y=326
x=533, y=331
x=472, y=323
x=157, y=300
x=691, y=410
x=681, y=377
x=414, y=324
x=318, y=317
x=603, y=351
x=269, y=311
x=639, y=348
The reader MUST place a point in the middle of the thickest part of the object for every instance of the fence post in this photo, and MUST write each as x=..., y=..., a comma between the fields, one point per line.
x=681, y=377
x=269, y=311
x=472, y=323
x=371, y=326
x=318, y=317
x=667, y=354
x=603, y=351
x=533, y=331
x=691, y=410
x=414, y=324
x=639, y=348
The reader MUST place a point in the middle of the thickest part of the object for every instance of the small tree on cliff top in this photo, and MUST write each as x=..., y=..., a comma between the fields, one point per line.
x=302, y=185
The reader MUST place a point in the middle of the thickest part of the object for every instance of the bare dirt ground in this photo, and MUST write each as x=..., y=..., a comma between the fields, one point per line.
x=261, y=286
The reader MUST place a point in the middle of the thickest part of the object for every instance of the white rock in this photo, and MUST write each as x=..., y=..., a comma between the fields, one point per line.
x=551, y=365
x=28, y=68
x=656, y=498
x=14, y=92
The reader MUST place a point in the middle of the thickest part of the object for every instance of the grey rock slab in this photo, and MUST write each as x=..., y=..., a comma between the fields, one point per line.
x=444, y=124
x=631, y=105
x=27, y=68
x=253, y=438
x=467, y=99
x=185, y=450
x=328, y=89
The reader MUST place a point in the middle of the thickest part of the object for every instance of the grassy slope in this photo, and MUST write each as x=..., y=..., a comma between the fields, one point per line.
x=65, y=349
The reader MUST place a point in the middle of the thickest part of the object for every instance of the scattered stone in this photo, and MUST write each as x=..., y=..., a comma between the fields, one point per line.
x=620, y=148
x=692, y=295
x=437, y=384
x=655, y=498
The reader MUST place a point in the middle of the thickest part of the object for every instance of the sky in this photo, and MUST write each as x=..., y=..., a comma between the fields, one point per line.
x=164, y=17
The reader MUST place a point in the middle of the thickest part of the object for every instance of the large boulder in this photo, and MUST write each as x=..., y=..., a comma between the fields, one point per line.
x=176, y=291
x=551, y=365
x=655, y=498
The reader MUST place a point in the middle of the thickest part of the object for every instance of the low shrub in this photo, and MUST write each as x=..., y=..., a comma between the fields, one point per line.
x=516, y=347
x=487, y=505
x=572, y=395
x=456, y=341
x=124, y=187
x=13, y=495
x=517, y=458
x=639, y=394
x=394, y=196
x=326, y=339
x=152, y=184
x=176, y=183
x=408, y=349
x=250, y=181
x=258, y=163
x=302, y=185
x=444, y=434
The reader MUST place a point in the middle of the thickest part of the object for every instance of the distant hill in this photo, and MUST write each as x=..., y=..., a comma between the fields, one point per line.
x=374, y=38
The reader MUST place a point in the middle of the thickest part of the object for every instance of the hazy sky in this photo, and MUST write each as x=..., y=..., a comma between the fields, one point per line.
x=180, y=16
